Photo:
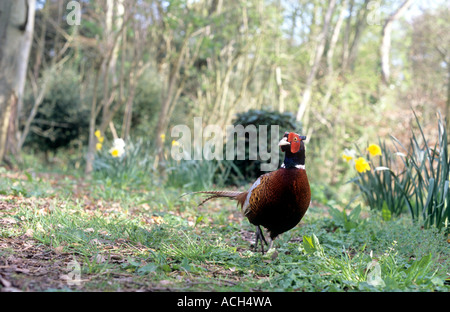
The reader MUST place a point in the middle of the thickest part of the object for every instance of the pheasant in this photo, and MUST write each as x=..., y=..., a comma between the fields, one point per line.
x=277, y=200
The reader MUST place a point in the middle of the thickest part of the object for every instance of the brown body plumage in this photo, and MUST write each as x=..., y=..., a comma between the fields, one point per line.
x=277, y=200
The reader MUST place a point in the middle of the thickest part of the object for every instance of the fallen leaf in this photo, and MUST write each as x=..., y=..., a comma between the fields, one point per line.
x=29, y=233
x=20, y=270
x=156, y=219
x=39, y=227
x=5, y=282
x=145, y=206
x=42, y=211
x=165, y=282
x=59, y=249
x=116, y=257
x=8, y=220
x=95, y=241
x=99, y=258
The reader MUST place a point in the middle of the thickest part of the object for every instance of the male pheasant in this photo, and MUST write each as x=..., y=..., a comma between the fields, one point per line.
x=279, y=199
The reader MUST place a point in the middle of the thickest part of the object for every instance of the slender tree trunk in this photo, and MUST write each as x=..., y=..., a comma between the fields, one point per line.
x=168, y=97
x=346, y=40
x=385, y=47
x=90, y=155
x=335, y=37
x=306, y=96
x=40, y=44
x=350, y=46
x=361, y=24
x=16, y=34
x=447, y=104
x=107, y=64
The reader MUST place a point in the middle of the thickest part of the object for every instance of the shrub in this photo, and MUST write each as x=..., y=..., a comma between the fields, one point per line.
x=250, y=169
x=61, y=117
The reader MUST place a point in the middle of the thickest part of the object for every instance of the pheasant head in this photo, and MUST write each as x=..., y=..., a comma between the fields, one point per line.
x=294, y=148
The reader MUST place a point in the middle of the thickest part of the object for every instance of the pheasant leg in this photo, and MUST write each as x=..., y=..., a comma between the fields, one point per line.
x=260, y=237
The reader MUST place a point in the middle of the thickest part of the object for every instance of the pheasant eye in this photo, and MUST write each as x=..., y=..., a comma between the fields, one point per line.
x=295, y=139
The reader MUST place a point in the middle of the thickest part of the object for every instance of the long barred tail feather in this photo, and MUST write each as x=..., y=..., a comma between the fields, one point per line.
x=217, y=194
x=206, y=199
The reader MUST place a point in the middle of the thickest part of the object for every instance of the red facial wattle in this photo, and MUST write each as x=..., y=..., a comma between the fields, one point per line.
x=294, y=139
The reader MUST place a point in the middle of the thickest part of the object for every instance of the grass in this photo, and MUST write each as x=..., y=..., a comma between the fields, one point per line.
x=148, y=238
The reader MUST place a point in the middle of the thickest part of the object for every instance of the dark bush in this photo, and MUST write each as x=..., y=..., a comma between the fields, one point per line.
x=62, y=117
x=248, y=169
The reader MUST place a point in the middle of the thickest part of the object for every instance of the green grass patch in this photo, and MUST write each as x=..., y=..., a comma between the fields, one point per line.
x=159, y=241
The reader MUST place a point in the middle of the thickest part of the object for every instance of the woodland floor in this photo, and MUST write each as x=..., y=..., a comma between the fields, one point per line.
x=28, y=265
x=128, y=242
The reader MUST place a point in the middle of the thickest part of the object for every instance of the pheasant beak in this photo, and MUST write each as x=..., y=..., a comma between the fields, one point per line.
x=284, y=142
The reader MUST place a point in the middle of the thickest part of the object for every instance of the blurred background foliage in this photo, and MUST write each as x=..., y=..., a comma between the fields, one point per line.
x=134, y=69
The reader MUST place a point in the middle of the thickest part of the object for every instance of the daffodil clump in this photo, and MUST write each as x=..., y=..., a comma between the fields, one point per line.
x=118, y=148
x=360, y=163
x=163, y=139
x=100, y=139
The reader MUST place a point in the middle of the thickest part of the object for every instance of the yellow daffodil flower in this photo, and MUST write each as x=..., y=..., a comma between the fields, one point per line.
x=362, y=165
x=99, y=136
x=98, y=146
x=374, y=150
x=163, y=137
x=175, y=143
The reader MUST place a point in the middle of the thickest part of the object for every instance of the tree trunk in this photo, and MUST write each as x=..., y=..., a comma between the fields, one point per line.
x=16, y=34
x=40, y=44
x=168, y=97
x=361, y=24
x=447, y=104
x=90, y=155
x=335, y=37
x=107, y=68
x=385, y=47
x=306, y=96
x=346, y=39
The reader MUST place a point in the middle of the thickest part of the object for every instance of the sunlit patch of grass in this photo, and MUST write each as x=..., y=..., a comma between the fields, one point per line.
x=194, y=247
